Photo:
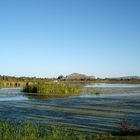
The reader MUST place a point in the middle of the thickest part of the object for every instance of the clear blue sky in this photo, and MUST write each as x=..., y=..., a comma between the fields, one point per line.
x=46, y=38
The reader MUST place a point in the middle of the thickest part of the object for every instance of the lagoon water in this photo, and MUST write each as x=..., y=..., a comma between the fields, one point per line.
x=84, y=113
x=11, y=94
x=115, y=85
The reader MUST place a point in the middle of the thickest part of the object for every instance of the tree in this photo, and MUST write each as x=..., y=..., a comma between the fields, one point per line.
x=60, y=77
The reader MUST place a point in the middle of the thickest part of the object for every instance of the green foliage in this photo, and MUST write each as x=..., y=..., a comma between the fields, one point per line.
x=30, y=131
x=52, y=88
x=60, y=77
x=32, y=89
x=1, y=84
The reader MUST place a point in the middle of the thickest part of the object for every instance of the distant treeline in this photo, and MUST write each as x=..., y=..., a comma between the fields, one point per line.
x=118, y=80
x=106, y=80
x=12, y=78
x=11, y=81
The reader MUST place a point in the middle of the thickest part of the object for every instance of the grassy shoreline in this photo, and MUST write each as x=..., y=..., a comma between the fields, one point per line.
x=31, y=131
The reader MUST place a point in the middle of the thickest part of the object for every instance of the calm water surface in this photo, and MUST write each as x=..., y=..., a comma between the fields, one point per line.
x=109, y=85
x=84, y=113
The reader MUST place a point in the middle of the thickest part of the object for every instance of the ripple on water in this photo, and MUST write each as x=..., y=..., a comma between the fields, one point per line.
x=11, y=94
x=109, y=85
x=91, y=113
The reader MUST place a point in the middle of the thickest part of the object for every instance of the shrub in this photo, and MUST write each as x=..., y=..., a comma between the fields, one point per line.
x=125, y=126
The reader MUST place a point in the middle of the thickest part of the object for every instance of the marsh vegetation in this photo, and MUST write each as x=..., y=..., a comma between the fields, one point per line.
x=53, y=88
x=32, y=131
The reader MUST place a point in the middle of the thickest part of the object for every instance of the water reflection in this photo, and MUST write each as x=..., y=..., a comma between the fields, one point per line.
x=12, y=94
x=109, y=85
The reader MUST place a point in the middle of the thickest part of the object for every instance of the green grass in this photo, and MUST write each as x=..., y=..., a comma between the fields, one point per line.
x=30, y=131
x=52, y=88
x=1, y=84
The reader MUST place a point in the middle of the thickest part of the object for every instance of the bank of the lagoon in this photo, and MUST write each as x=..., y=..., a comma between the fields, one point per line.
x=86, y=114
x=33, y=131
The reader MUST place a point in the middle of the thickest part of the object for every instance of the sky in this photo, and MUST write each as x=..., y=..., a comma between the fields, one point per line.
x=47, y=38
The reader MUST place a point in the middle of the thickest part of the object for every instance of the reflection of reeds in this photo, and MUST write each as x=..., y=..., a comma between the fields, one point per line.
x=93, y=91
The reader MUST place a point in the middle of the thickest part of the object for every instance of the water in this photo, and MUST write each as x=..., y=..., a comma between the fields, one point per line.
x=11, y=94
x=109, y=85
x=109, y=95
x=84, y=113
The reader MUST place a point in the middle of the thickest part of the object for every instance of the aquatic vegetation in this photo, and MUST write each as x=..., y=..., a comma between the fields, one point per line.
x=32, y=131
x=52, y=88
x=126, y=126
x=93, y=91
